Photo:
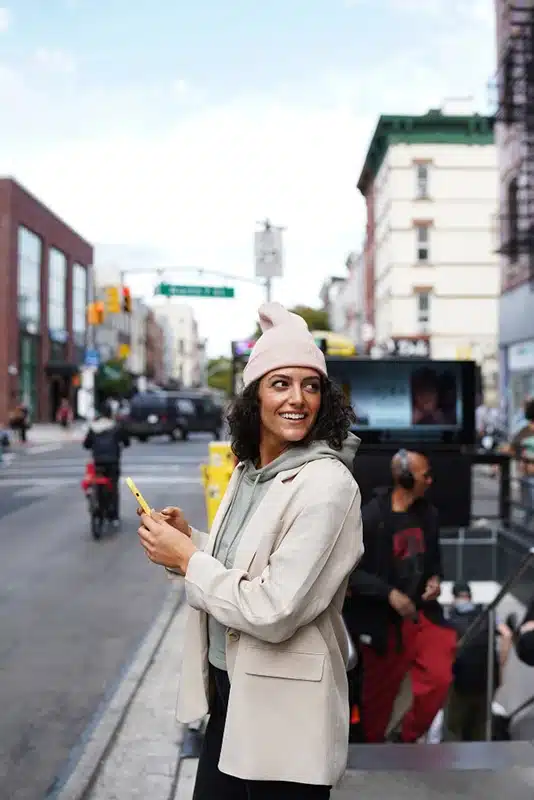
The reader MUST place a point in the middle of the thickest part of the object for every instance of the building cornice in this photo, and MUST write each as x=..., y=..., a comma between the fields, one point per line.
x=431, y=128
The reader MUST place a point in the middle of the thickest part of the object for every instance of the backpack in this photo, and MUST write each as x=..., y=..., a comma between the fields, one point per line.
x=470, y=670
x=106, y=447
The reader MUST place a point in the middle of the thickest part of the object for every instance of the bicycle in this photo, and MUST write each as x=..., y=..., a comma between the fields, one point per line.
x=99, y=491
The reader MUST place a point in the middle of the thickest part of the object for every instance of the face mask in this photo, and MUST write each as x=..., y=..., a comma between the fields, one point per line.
x=464, y=606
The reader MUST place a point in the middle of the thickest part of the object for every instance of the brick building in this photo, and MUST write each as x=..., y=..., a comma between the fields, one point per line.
x=44, y=275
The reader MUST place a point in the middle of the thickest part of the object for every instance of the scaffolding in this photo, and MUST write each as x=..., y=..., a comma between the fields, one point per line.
x=515, y=83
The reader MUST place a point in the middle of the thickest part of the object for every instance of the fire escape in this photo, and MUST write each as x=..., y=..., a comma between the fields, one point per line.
x=516, y=111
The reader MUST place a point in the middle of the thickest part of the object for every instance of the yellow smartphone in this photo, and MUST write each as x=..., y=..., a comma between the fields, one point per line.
x=138, y=496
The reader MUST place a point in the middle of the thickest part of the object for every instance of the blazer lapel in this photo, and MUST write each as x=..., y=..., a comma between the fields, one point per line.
x=223, y=508
x=264, y=519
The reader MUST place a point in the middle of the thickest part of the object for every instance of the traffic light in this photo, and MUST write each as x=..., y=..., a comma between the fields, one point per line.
x=126, y=300
x=95, y=313
x=113, y=303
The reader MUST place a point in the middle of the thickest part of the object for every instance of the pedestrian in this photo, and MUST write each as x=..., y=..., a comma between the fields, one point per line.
x=266, y=588
x=64, y=414
x=467, y=705
x=19, y=420
x=106, y=440
x=521, y=449
x=523, y=635
x=392, y=607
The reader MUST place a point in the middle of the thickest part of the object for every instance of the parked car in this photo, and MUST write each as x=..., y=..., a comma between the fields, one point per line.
x=208, y=411
x=172, y=414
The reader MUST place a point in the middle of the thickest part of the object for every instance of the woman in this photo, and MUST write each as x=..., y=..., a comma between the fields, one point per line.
x=266, y=587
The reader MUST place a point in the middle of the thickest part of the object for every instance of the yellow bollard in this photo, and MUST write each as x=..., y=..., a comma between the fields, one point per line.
x=220, y=454
x=216, y=476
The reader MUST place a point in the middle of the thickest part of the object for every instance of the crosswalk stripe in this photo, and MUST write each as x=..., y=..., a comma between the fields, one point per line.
x=49, y=482
x=78, y=465
x=43, y=448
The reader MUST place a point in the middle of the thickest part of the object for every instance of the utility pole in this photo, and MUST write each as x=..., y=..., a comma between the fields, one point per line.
x=269, y=254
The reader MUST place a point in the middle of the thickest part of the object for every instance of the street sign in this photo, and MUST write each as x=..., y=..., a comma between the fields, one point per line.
x=172, y=290
x=92, y=358
x=268, y=253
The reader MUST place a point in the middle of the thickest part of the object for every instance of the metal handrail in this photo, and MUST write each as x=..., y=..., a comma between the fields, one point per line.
x=509, y=582
x=489, y=613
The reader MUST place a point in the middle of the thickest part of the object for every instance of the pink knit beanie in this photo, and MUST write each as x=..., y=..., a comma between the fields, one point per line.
x=285, y=342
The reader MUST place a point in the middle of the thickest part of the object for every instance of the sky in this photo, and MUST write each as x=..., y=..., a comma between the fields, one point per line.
x=164, y=131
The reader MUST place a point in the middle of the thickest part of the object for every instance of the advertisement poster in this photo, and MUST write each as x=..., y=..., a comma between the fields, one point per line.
x=388, y=395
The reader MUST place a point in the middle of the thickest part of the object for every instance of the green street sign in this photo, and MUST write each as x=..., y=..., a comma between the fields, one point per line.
x=172, y=290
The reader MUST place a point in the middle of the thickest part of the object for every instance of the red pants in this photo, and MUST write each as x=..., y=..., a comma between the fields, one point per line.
x=428, y=652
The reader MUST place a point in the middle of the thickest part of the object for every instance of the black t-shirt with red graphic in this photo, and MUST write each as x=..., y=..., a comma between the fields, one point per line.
x=409, y=549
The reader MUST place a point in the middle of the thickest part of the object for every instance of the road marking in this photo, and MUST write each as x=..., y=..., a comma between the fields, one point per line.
x=164, y=480
x=43, y=448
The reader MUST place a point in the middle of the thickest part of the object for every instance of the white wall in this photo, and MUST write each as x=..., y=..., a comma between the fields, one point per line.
x=185, y=353
x=137, y=361
x=463, y=269
x=346, y=309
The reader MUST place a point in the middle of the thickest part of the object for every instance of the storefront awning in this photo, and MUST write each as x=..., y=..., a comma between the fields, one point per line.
x=61, y=369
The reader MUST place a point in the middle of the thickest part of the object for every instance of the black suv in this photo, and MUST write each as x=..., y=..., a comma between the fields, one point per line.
x=173, y=414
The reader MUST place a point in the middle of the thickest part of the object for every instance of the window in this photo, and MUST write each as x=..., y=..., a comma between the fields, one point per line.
x=29, y=279
x=421, y=181
x=28, y=372
x=186, y=406
x=79, y=304
x=149, y=402
x=57, y=295
x=422, y=235
x=423, y=310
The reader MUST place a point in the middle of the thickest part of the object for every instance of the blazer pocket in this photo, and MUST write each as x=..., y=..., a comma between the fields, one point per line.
x=291, y=665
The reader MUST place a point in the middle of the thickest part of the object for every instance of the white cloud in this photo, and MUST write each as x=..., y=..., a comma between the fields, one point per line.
x=55, y=60
x=183, y=183
x=5, y=18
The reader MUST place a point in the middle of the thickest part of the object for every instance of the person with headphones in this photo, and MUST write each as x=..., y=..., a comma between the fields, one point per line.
x=392, y=607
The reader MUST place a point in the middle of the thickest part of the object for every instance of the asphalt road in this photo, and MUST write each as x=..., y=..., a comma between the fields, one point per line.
x=73, y=610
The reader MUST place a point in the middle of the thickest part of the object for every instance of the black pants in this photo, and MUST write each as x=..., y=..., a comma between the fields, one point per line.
x=212, y=784
x=113, y=473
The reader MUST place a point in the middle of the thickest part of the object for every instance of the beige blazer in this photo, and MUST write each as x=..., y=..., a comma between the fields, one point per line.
x=288, y=712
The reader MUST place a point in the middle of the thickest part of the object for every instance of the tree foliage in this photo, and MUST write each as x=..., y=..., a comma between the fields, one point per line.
x=220, y=374
x=112, y=380
x=316, y=319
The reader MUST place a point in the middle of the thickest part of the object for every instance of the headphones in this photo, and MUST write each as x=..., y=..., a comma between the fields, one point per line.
x=405, y=476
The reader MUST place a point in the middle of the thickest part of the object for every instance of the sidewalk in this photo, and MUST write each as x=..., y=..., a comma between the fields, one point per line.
x=43, y=437
x=133, y=752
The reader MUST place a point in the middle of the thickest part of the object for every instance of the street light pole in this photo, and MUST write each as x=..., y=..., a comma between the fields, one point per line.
x=267, y=228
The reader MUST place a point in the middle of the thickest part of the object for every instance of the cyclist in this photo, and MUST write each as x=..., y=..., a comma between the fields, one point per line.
x=105, y=438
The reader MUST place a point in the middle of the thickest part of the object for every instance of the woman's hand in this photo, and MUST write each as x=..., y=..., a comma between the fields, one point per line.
x=165, y=544
x=174, y=516
x=176, y=519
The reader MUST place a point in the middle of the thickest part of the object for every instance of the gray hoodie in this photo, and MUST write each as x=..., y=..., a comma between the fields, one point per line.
x=252, y=487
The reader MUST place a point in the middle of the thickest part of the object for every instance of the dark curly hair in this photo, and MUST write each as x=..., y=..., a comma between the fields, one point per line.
x=332, y=424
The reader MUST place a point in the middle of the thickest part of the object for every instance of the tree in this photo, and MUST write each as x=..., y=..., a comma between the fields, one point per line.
x=220, y=374
x=112, y=380
x=316, y=319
